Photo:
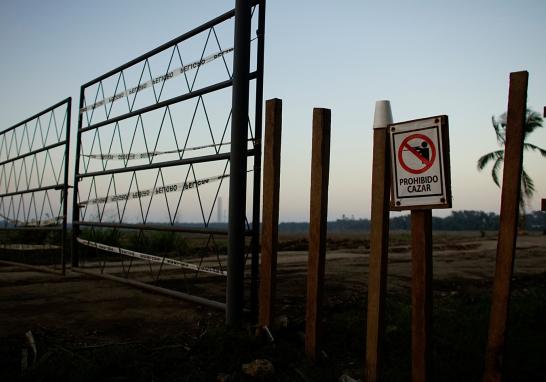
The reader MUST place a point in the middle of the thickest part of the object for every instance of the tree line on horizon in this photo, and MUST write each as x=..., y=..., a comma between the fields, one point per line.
x=466, y=220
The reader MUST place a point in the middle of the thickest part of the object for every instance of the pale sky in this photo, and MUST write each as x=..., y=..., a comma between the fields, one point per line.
x=426, y=57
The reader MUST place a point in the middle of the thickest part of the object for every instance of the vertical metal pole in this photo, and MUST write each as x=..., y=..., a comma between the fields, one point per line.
x=270, y=226
x=320, y=169
x=421, y=294
x=257, y=162
x=379, y=240
x=75, y=207
x=238, y=165
x=65, y=188
x=506, y=246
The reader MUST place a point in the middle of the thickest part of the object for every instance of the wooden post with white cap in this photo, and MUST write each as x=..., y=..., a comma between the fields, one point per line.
x=379, y=240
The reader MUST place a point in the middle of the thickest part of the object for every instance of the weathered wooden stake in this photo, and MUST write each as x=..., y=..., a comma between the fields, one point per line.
x=270, y=210
x=379, y=240
x=511, y=183
x=320, y=168
x=421, y=294
x=543, y=207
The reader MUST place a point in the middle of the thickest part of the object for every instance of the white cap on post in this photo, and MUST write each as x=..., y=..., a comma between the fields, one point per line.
x=383, y=114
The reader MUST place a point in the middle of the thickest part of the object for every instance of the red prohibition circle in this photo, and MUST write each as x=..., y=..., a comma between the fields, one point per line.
x=405, y=146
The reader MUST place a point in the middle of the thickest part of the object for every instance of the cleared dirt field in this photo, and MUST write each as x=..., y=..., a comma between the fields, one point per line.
x=94, y=329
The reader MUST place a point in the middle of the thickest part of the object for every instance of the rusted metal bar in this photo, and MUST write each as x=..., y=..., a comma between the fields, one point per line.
x=34, y=152
x=32, y=190
x=155, y=227
x=156, y=289
x=379, y=240
x=421, y=294
x=33, y=267
x=270, y=224
x=33, y=228
x=320, y=168
x=171, y=163
x=506, y=247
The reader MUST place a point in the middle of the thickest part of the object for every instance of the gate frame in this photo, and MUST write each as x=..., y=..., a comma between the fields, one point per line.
x=235, y=233
x=63, y=188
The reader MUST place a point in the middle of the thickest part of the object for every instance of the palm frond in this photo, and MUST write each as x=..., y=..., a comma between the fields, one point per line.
x=495, y=171
x=500, y=129
x=533, y=120
x=527, y=184
x=522, y=204
x=485, y=159
x=532, y=147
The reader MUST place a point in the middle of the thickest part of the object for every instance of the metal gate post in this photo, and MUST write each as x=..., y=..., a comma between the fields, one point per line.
x=255, y=273
x=66, y=186
x=238, y=164
x=75, y=207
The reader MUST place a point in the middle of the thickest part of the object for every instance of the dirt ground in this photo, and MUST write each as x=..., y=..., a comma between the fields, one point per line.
x=457, y=258
x=79, y=318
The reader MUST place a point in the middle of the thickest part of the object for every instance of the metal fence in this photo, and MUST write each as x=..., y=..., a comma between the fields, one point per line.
x=34, y=188
x=154, y=161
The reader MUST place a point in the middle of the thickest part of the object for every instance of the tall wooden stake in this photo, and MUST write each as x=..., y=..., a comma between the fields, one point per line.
x=270, y=223
x=421, y=294
x=320, y=168
x=511, y=188
x=379, y=240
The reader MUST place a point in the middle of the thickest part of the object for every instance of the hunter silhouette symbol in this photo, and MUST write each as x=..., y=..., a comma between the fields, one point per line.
x=423, y=150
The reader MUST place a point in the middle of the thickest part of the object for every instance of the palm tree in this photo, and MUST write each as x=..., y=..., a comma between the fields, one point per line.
x=533, y=121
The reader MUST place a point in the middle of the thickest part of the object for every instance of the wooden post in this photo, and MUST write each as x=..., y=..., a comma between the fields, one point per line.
x=543, y=207
x=511, y=183
x=421, y=294
x=379, y=240
x=270, y=211
x=320, y=167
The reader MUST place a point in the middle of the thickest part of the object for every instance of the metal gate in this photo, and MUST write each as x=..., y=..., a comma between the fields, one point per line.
x=154, y=159
x=34, y=188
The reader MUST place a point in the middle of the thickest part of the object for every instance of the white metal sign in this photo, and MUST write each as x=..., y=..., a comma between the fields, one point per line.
x=420, y=164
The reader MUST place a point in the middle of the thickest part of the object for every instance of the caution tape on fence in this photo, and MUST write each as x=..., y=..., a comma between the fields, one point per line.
x=153, y=258
x=33, y=222
x=155, y=191
x=30, y=247
x=159, y=79
x=150, y=154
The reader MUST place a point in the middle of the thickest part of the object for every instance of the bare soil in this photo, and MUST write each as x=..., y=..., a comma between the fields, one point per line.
x=87, y=328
